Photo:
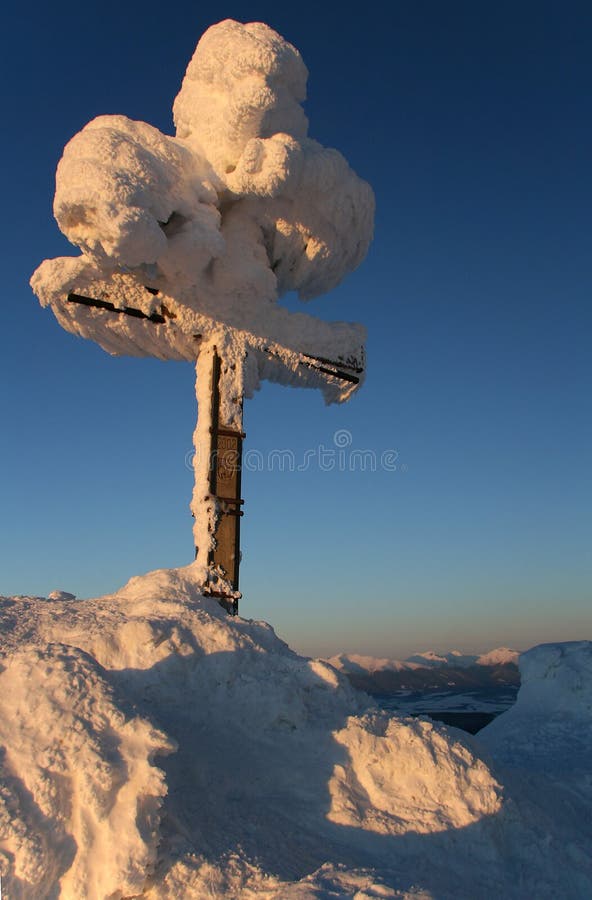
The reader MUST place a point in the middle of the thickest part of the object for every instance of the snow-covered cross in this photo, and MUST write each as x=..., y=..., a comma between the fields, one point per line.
x=189, y=241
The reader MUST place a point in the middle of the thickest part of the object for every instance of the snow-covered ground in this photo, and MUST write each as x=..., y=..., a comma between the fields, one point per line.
x=153, y=746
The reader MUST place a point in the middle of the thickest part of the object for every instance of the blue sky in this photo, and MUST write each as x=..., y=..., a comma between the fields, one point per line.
x=472, y=123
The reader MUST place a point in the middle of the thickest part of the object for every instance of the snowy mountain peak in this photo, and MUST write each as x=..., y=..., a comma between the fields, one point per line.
x=452, y=658
x=500, y=657
x=354, y=663
x=358, y=664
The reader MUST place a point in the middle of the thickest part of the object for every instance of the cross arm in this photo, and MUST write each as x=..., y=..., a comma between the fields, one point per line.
x=126, y=317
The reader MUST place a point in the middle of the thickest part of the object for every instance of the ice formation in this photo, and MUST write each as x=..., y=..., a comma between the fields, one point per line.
x=188, y=242
x=240, y=206
x=206, y=230
x=154, y=747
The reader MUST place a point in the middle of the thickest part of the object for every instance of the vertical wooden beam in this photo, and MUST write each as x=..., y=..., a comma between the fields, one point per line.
x=225, y=488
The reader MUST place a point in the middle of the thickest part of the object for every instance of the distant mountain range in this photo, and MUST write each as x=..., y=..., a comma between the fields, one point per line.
x=430, y=671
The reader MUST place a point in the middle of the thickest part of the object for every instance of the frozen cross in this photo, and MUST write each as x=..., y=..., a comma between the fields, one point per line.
x=188, y=242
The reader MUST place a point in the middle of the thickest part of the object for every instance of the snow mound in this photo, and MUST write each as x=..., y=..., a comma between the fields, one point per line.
x=153, y=746
x=79, y=796
x=61, y=595
x=558, y=677
x=236, y=878
x=394, y=762
x=550, y=726
x=543, y=744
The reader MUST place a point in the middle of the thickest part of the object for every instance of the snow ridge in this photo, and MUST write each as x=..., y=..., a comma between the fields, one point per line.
x=354, y=663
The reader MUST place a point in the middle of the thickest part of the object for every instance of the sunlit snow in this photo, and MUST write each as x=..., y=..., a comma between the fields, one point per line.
x=156, y=747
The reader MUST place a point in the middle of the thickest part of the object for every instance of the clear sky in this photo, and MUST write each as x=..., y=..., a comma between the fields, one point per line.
x=472, y=122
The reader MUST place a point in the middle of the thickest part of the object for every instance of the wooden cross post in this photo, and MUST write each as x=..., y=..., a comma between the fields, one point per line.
x=224, y=487
x=232, y=350
x=217, y=500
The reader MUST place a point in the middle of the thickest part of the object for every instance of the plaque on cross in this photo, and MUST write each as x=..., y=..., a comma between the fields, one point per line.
x=188, y=243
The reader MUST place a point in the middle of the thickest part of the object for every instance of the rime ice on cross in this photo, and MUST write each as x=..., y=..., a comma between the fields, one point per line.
x=188, y=242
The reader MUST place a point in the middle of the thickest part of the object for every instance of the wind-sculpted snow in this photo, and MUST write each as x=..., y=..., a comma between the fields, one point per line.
x=79, y=794
x=153, y=746
x=550, y=726
x=221, y=220
x=244, y=83
x=394, y=762
x=119, y=181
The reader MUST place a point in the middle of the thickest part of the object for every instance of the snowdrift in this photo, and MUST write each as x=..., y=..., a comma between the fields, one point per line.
x=153, y=746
